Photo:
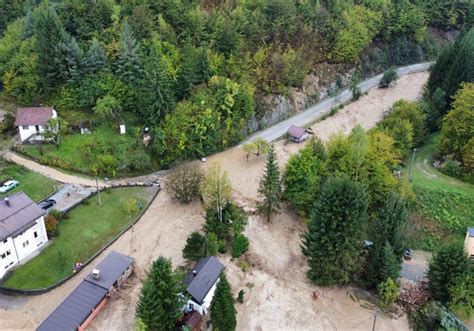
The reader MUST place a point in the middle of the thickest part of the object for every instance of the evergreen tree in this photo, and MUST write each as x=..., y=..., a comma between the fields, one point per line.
x=195, y=247
x=222, y=307
x=449, y=264
x=49, y=34
x=391, y=264
x=128, y=65
x=387, y=246
x=186, y=76
x=333, y=242
x=95, y=59
x=270, y=185
x=202, y=66
x=157, y=92
x=160, y=303
x=69, y=57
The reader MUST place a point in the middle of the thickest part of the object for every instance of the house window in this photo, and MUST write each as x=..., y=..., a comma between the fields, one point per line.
x=5, y=241
x=37, y=127
x=26, y=243
x=4, y=255
x=25, y=127
x=6, y=267
x=8, y=252
x=36, y=234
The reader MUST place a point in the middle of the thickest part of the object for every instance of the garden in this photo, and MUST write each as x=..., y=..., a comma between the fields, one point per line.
x=103, y=151
x=81, y=233
x=444, y=205
x=36, y=186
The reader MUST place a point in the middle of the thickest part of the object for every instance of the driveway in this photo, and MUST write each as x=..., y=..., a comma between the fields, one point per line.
x=416, y=269
x=69, y=195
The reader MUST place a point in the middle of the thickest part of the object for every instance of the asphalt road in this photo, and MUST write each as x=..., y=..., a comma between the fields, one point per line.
x=314, y=112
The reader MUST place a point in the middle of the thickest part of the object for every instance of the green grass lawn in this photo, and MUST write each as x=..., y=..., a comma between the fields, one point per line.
x=444, y=205
x=88, y=228
x=78, y=153
x=36, y=186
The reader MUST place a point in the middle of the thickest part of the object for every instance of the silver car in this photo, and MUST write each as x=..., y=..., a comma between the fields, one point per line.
x=7, y=186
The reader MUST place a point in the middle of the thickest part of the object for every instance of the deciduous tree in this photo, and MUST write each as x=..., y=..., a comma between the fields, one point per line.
x=216, y=189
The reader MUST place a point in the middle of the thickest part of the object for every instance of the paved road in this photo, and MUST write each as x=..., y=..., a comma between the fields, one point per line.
x=314, y=112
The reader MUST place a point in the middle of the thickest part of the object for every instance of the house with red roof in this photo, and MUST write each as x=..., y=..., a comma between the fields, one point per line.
x=32, y=122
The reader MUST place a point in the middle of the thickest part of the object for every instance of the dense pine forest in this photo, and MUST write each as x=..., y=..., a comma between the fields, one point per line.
x=195, y=71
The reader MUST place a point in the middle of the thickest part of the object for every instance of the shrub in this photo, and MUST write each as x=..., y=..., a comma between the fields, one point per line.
x=240, y=245
x=388, y=292
x=390, y=75
x=244, y=266
x=452, y=168
x=212, y=244
x=51, y=224
x=240, y=297
x=184, y=183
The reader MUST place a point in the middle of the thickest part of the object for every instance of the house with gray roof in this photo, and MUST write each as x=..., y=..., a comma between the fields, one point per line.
x=86, y=301
x=297, y=134
x=22, y=230
x=201, y=284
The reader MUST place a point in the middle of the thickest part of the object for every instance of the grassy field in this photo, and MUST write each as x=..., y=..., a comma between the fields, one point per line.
x=444, y=205
x=88, y=228
x=36, y=186
x=78, y=153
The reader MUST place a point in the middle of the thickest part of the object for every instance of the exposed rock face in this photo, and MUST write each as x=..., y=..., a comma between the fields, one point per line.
x=277, y=107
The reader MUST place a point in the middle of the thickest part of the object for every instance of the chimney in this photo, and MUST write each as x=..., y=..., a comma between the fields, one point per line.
x=96, y=274
x=194, y=273
x=7, y=202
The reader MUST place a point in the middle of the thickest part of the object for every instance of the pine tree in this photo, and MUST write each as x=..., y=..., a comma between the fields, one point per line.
x=391, y=264
x=195, y=247
x=222, y=307
x=157, y=92
x=49, y=34
x=160, y=303
x=270, y=185
x=386, y=230
x=333, y=242
x=448, y=265
x=186, y=76
x=69, y=57
x=128, y=65
x=95, y=59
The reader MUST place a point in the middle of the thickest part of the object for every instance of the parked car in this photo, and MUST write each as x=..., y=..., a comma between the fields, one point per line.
x=7, y=186
x=46, y=204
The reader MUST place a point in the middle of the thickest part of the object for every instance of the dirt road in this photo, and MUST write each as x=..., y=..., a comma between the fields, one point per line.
x=278, y=295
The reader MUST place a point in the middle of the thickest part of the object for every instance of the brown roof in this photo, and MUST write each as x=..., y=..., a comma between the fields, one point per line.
x=193, y=319
x=33, y=116
x=296, y=131
x=18, y=215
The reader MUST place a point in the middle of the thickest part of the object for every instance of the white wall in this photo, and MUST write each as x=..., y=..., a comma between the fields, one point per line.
x=7, y=249
x=26, y=243
x=469, y=245
x=206, y=303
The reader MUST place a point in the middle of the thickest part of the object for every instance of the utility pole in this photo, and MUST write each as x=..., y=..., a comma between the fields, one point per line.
x=410, y=172
x=375, y=320
x=98, y=191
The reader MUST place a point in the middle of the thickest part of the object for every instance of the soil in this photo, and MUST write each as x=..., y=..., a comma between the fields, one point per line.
x=278, y=294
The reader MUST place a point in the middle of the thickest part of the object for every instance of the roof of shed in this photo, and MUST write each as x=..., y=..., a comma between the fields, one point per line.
x=296, y=131
x=33, y=116
x=111, y=268
x=208, y=270
x=75, y=309
x=18, y=215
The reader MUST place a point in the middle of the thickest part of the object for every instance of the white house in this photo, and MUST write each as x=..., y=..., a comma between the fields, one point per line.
x=469, y=243
x=32, y=122
x=22, y=230
x=201, y=284
x=297, y=134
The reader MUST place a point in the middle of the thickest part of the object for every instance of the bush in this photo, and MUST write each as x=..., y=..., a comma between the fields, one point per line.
x=240, y=245
x=195, y=247
x=212, y=244
x=183, y=184
x=240, y=297
x=388, y=292
x=390, y=75
x=51, y=224
x=452, y=168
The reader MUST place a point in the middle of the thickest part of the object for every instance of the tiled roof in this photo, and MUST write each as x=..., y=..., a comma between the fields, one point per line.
x=33, y=116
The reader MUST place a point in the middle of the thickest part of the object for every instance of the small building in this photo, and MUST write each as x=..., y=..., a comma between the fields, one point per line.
x=22, y=230
x=78, y=310
x=297, y=134
x=201, y=284
x=32, y=122
x=469, y=244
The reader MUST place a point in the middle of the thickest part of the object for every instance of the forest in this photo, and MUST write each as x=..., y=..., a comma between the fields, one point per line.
x=193, y=71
